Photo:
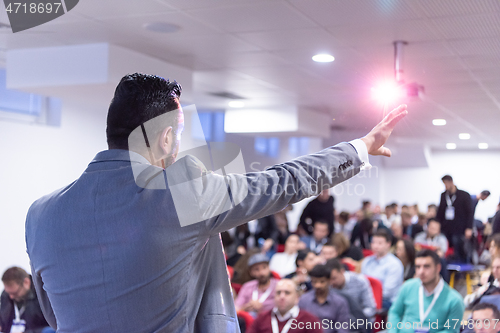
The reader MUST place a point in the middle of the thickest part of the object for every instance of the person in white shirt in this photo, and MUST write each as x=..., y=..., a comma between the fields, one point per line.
x=283, y=263
x=433, y=237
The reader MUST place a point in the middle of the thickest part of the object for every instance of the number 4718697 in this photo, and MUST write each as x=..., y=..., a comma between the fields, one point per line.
x=33, y=8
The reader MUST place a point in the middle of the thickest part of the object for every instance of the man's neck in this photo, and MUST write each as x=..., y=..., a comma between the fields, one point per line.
x=321, y=295
x=453, y=190
x=264, y=286
x=432, y=285
x=381, y=255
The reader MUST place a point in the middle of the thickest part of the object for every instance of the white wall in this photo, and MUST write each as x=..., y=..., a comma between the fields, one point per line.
x=38, y=160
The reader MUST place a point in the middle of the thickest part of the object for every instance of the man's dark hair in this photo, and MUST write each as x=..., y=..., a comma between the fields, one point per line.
x=322, y=221
x=344, y=216
x=301, y=255
x=447, y=178
x=320, y=271
x=432, y=206
x=432, y=219
x=485, y=193
x=484, y=306
x=365, y=203
x=14, y=274
x=429, y=253
x=334, y=263
x=384, y=234
x=139, y=98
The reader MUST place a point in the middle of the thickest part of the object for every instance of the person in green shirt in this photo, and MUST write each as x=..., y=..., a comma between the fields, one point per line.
x=426, y=304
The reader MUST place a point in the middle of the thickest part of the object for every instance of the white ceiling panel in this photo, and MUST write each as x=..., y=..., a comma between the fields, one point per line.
x=274, y=15
x=98, y=9
x=473, y=26
x=443, y=8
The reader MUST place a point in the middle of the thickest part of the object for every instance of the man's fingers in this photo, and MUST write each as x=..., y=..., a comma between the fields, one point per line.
x=396, y=113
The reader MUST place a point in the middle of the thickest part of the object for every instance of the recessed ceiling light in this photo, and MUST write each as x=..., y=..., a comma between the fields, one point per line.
x=161, y=27
x=464, y=136
x=439, y=122
x=483, y=145
x=236, y=104
x=323, y=58
x=451, y=146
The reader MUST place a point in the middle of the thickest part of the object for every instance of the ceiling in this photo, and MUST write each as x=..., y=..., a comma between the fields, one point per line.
x=262, y=49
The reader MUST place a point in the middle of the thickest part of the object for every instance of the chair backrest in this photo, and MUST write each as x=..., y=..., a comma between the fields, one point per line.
x=280, y=248
x=350, y=266
x=230, y=272
x=377, y=290
x=275, y=275
x=246, y=317
x=367, y=252
x=236, y=287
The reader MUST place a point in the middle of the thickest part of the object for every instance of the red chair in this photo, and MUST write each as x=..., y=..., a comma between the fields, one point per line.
x=281, y=248
x=236, y=287
x=350, y=266
x=246, y=317
x=377, y=293
x=367, y=252
x=230, y=272
x=275, y=275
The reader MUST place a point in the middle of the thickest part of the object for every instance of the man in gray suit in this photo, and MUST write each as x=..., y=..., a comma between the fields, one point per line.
x=123, y=249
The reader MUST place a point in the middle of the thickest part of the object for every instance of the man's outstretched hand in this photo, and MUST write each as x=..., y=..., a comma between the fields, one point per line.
x=378, y=136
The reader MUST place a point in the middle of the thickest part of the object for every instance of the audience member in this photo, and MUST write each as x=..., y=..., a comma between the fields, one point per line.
x=418, y=227
x=318, y=238
x=486, y=317
x=305, y=262
x=344, y=225
x=414, y=212
x=321, y=208
x=284, y=263
x=433, y=238
x=475, y=199
x=324, y=303
x=431, y=211
x=406, y=223
x=345, y=249
x=495, y=224
x=257, y=295
x=286, y=316
x=356, y=286
x=405, y=251
x=455, y=215
x=488, y=288
x=362, y=233
x=427, y=300
x=241, y=271
x=19, y=307
x=384, y=266
x=272, y=230
x=328, y=251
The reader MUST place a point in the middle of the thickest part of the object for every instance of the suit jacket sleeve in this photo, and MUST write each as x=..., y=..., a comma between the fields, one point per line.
x=441, y=209
x=258, y=194
x=43, y=299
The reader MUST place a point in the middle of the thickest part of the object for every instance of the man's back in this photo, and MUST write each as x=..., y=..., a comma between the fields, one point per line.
x=119, y=250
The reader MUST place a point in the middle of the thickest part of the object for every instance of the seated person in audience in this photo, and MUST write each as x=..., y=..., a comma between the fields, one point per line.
x=272, y=230
x=284, y=263
x=431, y=212
x=344, y=224
x=241, y=272
x=405, y=251
x=488, y=288
x=354, y=285
x=418, y=227
x=306, y=260
x=433, y=238
x=345, y=249
x=493, y=244
x=486, y=318
x=362, y=233
x=327, y=252
x=324, y=303
x=406, y=224
x=384, y=266
x=286, y=316
x=426, y=299
x=19, y=307
x=257, y=295
x=318, y=238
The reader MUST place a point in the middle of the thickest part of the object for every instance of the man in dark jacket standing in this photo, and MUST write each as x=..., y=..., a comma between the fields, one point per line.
x=19, y=309
x=455, y=215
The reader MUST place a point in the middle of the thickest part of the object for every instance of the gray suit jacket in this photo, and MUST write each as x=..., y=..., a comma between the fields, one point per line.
x=110, y=256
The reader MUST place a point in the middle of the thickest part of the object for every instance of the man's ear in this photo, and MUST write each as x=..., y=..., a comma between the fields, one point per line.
x=27, y=283
x=166, y=139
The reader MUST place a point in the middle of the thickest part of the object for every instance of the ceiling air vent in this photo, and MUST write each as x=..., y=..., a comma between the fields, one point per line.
x=226, y=94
